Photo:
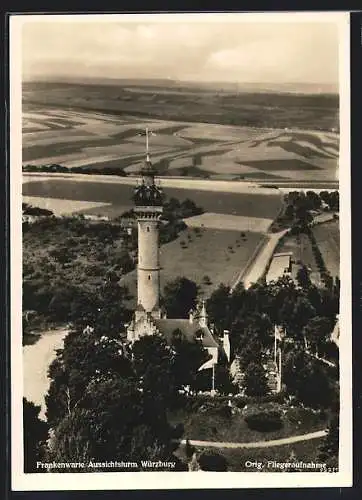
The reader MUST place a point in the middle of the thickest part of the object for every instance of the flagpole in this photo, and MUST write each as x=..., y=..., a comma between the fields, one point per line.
x=213, y=379
x=280, y=370
x=147, y=140
x=275, y=344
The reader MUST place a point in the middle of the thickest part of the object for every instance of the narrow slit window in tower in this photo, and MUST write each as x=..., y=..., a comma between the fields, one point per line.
x=149, y=276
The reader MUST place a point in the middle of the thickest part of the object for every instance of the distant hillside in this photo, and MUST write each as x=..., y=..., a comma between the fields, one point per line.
x=190, y=104
x=293, y=88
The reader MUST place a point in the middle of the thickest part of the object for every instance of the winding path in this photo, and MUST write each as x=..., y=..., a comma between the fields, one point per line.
x=36, y=361
x=258, y=444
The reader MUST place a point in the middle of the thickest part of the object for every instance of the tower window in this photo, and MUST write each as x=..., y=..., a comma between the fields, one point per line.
x=149, y=276
x=148, y=229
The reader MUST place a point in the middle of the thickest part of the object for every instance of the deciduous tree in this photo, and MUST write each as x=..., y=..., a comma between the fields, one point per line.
x=35, y=436
x=255, y=380
x=179, y=297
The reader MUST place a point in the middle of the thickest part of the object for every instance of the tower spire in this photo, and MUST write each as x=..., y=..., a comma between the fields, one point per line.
x=203, y=314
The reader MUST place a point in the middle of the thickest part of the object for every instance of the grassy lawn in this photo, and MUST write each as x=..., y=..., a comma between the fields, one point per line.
x=204, y=254
x=296, y=421
x=305, y=451
x=327, y=236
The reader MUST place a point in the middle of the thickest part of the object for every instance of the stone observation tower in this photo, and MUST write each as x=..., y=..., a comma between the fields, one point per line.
x=149, y=317
x=148, y=199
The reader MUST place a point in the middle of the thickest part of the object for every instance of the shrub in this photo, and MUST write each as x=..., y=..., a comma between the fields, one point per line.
x=206, y=280
x=264, y=421
x=213, y=462
x=206, y=401
x=223, y=411
x=30, y=210
x=216, y=407
x=189, y=450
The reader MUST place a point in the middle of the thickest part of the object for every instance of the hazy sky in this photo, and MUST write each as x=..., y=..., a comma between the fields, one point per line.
x=238, y=51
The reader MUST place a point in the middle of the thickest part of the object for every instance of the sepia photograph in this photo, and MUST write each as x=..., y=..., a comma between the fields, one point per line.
x=180, y=247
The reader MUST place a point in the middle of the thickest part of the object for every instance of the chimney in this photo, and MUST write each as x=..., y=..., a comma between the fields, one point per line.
x=226, y=344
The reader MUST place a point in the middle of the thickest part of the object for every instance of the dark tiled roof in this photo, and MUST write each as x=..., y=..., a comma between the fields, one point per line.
x=168, y=326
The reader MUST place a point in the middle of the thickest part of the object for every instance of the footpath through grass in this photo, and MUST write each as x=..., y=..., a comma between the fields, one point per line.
x=248, y=460
x=207, y=424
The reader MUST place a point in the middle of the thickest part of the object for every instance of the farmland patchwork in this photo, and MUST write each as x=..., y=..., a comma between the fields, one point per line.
x=80, y=138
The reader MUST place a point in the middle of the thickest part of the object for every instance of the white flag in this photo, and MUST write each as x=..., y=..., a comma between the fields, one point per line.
x=209, y=363
x=277, y=333
x=206, y=365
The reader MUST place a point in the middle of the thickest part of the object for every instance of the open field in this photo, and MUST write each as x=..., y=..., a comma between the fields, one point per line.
x=218, y=254
x=75, y=137
x=250, y=203
x=211, y=220
x=61, y=206
x=220, y=186
x=327, y=236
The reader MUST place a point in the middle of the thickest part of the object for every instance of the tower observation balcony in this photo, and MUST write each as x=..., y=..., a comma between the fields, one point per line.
x=148, y=196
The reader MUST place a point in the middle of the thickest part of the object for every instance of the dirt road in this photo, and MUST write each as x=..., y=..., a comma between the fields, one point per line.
x=36, y=360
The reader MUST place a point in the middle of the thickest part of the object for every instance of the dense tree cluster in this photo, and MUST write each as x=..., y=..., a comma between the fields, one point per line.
x=307, y=316
x=174, y=209
x=35, y=435
x=107, y=401
x=67, y=261
x=174, y=212
x=298, y=201
x=329, y=449
x=28, y=209
x=331, y=199
x=179, y=297
x=255, y=380
x=298, y=208
x=55, y=168
x=326, y=277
